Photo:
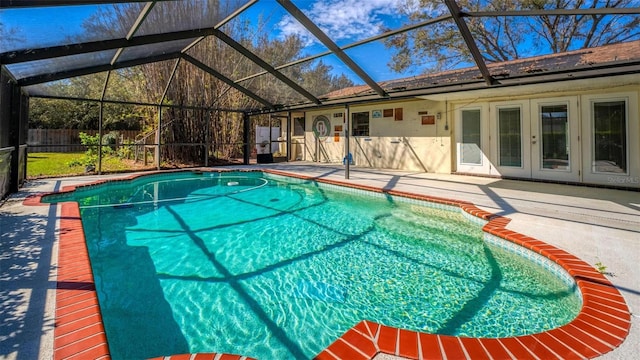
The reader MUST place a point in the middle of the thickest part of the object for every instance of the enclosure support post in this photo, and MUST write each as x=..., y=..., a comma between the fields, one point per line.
x=289, y=135
x=100, y=114
x=157, y=140
x=347, y=158
x=164, y=95
x=24, y=136
x=15, y=106
x=100, y=122
x=206, y=138
x=245, y=137
x=270, y=139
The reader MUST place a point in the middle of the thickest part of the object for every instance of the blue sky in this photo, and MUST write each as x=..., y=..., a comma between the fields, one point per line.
x=365, y=19
x=40, y=27
x=345, y=21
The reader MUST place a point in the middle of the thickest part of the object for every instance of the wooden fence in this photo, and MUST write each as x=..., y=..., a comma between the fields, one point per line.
x=68, y=140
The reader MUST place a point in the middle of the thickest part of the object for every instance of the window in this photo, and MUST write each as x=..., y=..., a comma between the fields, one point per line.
x=471, y=150
x=610, y=136
x=298, y=126
x=360, y=124
x=555, y=137
x=510, y=137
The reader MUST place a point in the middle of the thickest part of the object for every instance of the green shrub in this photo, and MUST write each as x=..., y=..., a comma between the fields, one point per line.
x=125, y=151
x=90, y=157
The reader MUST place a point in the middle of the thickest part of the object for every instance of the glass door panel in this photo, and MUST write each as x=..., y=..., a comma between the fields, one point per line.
x=554, y=126
x=511, y=129
x=471, y=148
x=555, y=144
x=610, y=132
x=610, y=137
x=473, y=140
x=509, y=137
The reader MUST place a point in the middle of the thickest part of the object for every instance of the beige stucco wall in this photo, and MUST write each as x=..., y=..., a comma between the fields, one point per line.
x=391, y=144
x=409, y=145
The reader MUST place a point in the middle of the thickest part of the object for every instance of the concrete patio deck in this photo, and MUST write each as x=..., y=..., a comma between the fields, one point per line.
x=597, y=225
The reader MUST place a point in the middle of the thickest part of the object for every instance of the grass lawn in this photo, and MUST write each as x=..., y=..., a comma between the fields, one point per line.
x=57, y=164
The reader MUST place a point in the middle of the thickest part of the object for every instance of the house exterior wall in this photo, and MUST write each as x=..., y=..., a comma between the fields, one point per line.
x=392, y=142
x=410, y=145
x=587, y=160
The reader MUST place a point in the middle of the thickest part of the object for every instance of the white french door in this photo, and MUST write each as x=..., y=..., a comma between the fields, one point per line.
x=511, y=144
x=587, y=138
x=537, y=139
x=611, y=146
x=472, y=139
x=555, y=139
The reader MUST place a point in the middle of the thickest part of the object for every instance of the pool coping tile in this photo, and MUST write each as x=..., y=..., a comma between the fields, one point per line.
x=495, y=349
x=408, y=344
x=430, y=348
x=602, y=325
x=475, y=347
x=451, y=347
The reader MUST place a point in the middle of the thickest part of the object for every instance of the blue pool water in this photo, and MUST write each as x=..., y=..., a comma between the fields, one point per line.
x=251, y=264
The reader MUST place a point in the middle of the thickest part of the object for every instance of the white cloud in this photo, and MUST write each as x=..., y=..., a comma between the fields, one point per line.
x=343, y=19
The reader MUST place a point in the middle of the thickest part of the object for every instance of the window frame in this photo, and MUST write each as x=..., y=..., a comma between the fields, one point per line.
x=480, y=135
x=592, y=129
x=499, y=138
x=568, y=135
x=355, y=133
x=301, y=121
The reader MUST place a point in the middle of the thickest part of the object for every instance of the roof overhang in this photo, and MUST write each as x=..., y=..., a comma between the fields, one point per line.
x=584, y=78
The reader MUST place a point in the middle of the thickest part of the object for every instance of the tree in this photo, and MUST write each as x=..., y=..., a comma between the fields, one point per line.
x=194, y=87
x=190, y=85
x=62, y=114
x=563, y=33
x=502, y=38
x=84, y=115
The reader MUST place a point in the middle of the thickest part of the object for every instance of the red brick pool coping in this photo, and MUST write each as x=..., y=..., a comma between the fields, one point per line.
x=601, y=326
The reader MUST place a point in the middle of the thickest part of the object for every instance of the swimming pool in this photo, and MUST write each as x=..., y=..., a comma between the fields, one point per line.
x=288, y=280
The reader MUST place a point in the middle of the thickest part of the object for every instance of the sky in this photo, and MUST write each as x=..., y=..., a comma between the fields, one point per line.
x=345, y=22
x=41, y=27
x=364, y=18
